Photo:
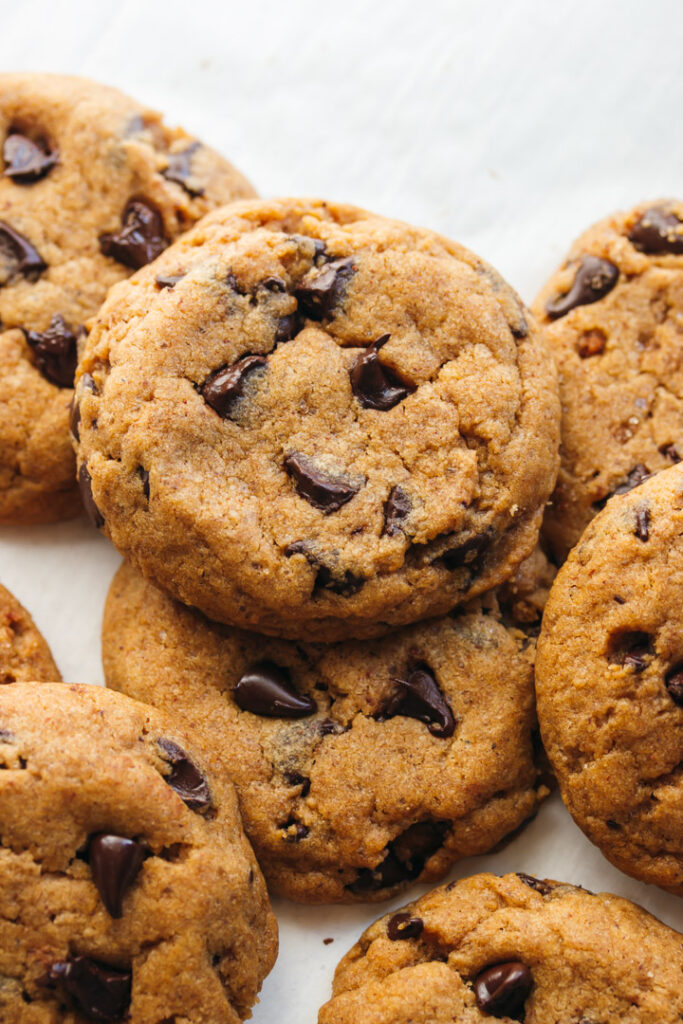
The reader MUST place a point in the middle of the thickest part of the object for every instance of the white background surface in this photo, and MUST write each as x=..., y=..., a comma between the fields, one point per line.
x=508, y=124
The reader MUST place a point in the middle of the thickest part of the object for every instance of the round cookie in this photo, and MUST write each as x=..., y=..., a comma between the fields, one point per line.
x=93, y=186
x=24, y=654
x=515, y=948
x=332, y=424
x=360, y=766
x=609, y=681
x=613, y=315
x=127, y=888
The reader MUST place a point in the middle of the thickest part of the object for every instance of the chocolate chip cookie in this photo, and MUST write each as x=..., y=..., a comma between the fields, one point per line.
x=93, y=186
x=515, y=948
x=127, y=888
x=318, y=423
x=610, y=680
x=24, y=654
x=359, y=766
x=613, y=315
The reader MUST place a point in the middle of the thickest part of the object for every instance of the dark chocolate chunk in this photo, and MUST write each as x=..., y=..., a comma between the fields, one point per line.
x=266, y=689
x=404, y=926
x=642, y=528
x=185, y=778
x=17, y=256
x=320, y=292
x=322, y=490
x=375, y=385
x=419, y=697
x=287, y=328
x=594, y=279
x=294, y=831
x=632, y=649
x=27, y=161
x=226, y=385
x=179, y=170
x=55, y=351
x=114, y=862
x=91, y=509
x=168, y=280
x=396, y=509
x=658, y=231
x=674, y=684
x=638, y=475
x=467, y=553
x=99, y=992
x=405, y=858
x=535, y=883
x=343, y=582
x=141, y=238
x=503, y=989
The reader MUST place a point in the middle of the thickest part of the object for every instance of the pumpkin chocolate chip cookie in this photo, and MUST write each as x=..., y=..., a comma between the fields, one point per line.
x=24, y=654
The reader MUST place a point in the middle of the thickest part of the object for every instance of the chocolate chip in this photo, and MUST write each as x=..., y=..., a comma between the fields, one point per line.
x=419, y=697
x=266, y=689
x=674, y=684
x=638, y=475
x=168, y=280
x=632, y=649
x=328, y=727
x=591, y=343
x=88, y=384
x=294, y=831
x=287, y=328
x=55, y=352
x=18, y=256
x=502, y=990
x=642, y=528
x=396, y=508
x=179, y=170
x=296, y=779
x=670, y=451
x=594, y=279
x=466, y=553
x=185, y=778
x=274, y=284
x=322, y=490
x=404, y=926
x=27, y=161
x=144, y=477
x=342, y=582
x=657, y=231
x=320, y=292
x=91, y=509
x=226, y=385
x=375, y=385
x=114, y=862
x=614, y=825
x=100, y=992
x=234, y=284
x=141, y=238
x=405, y=858
x=535, y=883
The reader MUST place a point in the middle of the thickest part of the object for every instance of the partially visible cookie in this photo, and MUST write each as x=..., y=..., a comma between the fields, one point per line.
x=24, y=653
x=515, y=948
x=613, y=315
x=609, y=680
x=92, y=186
x=127, y=888
x=359, y=766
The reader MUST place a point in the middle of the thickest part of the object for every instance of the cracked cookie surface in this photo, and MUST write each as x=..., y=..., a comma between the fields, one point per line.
x=359, y=766
x=127, y=888
x=613, y=315
x=512, y=948
x=609, y=681
x=24, y=653
x=329, y=423
x=92, y=186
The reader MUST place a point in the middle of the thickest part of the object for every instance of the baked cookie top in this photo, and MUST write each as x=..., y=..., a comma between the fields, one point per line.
x=359, y=766
x=24, y=653
x=515, y=948
x=93, y=186
x=316, y=422
x=127, y=888
x=613, y=314
x=609, y=680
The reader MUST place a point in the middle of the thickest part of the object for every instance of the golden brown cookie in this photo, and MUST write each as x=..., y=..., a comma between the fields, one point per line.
x=613, y=316
x=609, y=681
x=514, y=948
x=127, y=888
x=93, y=186
x=331, y=424
x=24, y=654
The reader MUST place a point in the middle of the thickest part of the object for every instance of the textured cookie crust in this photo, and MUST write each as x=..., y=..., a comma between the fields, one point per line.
x=609, y=679
x=619, y=358
x=194, y=927
x=354, y=797
x=74, y=154
x=332, y=424
x=585, y=959
x=24, y=654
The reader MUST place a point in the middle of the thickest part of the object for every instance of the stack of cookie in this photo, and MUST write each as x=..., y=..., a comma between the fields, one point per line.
x=324, y=442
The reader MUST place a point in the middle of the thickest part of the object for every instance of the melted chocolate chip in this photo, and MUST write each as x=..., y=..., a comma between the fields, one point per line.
x=287, y=328
x=638, y=475
x=91, y=509
x=503, y=989
x=18, y=256
x=342, y=582
x=168, y=280
x=144, y=477
x=141, y=238
x=642, y=527
x=27, y=161
x=322, y=490
x=375, y=385
x=321, y=291
x=404, y=926
x=544, y=888
x=99, y=992
x=405, y=858
x=631, y=649
x=296, y=779
x=115, y=863
x=674, y=684
x=657, y=231
x=467, y=553
x=185, y=778
x=594, y=279
x=179, y=170
x=294, y=831
x=266, y=689
x=396, y=509
x=226, y=385
x=419, y=697
x=55, y=352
